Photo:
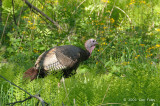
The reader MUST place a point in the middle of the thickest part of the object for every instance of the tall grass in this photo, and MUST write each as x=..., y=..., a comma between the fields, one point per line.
x=128, y=70
x=138, y=85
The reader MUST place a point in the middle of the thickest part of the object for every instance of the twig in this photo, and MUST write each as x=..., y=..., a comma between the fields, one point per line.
x=15, y=85
x=97, y=58
x=109, y=104
x=40, y=99
x=14, y=18
x=35, y=96
x=105, y=5
x=115, y=36
x=19, y=101
x=43, y=19
x=44, y=6
x=102, y=64
x=63, y=104
x=111, y=10
x=4, y=28
x=65, y=87
x=30, y=97
x=92, y=9
x=78, y=6
x=69, y=34
x=105, y=48
x=19, y=15
x=74, y=101
x=106, y=92
x=124, y=13
x=43, y=14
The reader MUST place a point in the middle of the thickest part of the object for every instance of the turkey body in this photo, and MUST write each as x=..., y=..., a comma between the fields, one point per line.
x=60, y=58
x=65, y=58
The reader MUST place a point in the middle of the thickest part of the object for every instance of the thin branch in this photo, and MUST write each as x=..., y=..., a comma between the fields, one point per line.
x=40, y=99
x=14, y=17
x=31, y=96
x=19, y=101
x=81, y=4
x=97, y=58
x=44, y=5
x=92, y=9
x=69, y=34
x=105, y=5
x=124, y=13
x=109, y=104
x=15, y=85
x=105, y=48
x=115, y=36
x=4, y=28
x=19, y=15
x=106, y=92
x=63, y=104
x=78, y=6
x=111, y=11
x=49, y=26
x=43, y=14
x=65, y=88
x=102, y=63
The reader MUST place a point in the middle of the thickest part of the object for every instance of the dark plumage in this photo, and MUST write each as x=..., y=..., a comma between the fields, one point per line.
x=66, y=58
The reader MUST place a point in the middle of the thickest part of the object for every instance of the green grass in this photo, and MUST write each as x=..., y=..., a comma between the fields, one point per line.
x=128, y=36
x=139, y=85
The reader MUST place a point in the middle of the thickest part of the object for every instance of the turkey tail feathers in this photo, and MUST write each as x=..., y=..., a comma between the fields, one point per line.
x=31, y=73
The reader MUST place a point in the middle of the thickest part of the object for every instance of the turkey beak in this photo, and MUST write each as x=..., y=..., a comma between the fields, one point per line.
x=96, y=43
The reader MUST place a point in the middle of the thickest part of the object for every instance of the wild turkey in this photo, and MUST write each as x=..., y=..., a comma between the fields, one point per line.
x=65, y=58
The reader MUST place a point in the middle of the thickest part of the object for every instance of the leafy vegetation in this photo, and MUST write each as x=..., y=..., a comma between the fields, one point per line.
x=123, y=70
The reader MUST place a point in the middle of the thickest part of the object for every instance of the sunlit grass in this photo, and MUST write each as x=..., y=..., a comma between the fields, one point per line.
x=122, y=70
x=136, y=81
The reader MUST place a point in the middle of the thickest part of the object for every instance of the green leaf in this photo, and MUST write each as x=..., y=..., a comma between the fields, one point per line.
x=42, y=48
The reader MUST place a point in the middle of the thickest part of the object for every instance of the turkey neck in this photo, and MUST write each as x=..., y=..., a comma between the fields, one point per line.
x=90, y=49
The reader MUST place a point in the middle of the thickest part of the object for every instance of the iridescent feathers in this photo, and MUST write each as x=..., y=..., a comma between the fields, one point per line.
x=64, y=58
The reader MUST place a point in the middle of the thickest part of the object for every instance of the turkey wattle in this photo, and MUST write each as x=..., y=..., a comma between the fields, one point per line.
x=65, y=58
